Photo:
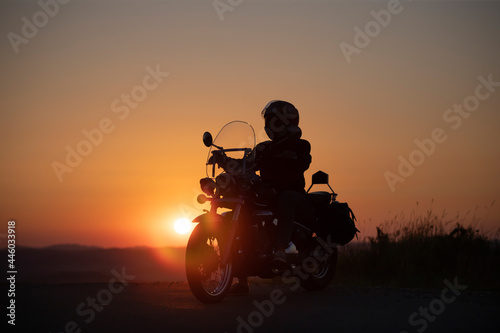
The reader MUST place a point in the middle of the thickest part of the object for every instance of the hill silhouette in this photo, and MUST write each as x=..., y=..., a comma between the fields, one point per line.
x=72, y=263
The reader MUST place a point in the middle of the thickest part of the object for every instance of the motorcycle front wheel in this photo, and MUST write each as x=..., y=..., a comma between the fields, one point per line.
x=208, y=278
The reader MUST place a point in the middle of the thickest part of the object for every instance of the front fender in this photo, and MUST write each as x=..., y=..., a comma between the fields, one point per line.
x=212, y=223
x=208, y=218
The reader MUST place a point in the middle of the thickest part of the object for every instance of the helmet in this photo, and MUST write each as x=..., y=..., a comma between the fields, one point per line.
x=281, y=119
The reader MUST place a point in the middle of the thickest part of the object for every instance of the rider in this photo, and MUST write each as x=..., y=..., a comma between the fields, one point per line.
x=282, y=162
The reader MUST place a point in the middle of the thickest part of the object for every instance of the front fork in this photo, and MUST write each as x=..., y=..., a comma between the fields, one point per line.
x=232, y=232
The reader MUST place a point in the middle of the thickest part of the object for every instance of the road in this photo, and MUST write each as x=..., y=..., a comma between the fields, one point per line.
x=170, y=307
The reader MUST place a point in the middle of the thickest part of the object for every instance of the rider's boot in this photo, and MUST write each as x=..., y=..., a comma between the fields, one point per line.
x=279, y=264
x=240, y=287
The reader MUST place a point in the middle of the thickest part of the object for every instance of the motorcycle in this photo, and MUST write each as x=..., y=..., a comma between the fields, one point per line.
x=239, y=241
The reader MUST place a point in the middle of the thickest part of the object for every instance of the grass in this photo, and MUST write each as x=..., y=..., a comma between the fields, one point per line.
x=422, y=251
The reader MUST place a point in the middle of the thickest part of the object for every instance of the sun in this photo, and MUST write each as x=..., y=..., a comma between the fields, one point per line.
x=182, y=226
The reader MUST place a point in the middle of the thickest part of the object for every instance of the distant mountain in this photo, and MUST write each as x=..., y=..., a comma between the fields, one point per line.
x=71, y=263
x=71, y=247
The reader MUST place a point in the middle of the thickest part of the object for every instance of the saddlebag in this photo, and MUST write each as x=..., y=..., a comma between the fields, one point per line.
x=337, y=221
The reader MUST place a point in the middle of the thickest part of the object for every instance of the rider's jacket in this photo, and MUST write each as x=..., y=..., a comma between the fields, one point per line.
x=282, y=164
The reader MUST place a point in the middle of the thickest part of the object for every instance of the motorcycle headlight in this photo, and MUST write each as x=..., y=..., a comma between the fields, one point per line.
x=223, y=181
x=208, y=186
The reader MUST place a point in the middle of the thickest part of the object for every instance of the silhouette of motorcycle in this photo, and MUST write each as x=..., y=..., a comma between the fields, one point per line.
x=239, y=241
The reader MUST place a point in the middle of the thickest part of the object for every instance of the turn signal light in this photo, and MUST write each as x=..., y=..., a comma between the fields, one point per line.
x=202, y=199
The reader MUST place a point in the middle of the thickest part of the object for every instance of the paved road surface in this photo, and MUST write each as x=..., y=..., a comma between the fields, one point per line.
x=170, y=307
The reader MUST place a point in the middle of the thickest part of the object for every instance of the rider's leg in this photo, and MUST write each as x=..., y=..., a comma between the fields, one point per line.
x=290, y=205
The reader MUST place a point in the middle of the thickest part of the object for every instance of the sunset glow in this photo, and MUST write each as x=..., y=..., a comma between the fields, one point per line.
x=103, y=111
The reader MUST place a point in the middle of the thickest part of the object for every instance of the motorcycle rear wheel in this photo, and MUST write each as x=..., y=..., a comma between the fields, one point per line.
x=321, y=277
x=207, y=277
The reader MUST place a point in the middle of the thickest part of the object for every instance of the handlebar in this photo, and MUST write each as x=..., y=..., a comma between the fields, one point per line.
x=224, y=160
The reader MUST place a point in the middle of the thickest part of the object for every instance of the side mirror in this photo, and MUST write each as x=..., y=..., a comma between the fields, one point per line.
x=207, y=139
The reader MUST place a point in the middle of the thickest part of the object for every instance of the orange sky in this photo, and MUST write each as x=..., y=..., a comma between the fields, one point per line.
x=143, y=174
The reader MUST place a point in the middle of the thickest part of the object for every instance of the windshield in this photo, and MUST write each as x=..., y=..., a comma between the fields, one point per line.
x=234, y=135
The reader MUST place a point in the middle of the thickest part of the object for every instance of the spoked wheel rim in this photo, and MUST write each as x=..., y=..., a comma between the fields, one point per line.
x=318, y=269
x=322, y=273
x=322, y=269
x=208, y=278
x=214, y=276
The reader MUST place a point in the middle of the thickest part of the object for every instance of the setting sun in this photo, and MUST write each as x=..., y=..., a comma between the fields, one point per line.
x=182, y=226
